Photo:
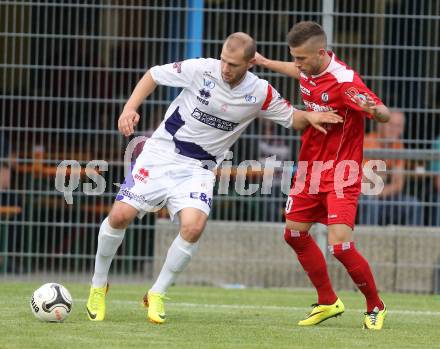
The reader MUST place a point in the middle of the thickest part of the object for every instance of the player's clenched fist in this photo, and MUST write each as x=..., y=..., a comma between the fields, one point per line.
x=128, y=121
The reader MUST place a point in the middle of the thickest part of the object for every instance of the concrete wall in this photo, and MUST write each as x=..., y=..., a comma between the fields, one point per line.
x=255, y=254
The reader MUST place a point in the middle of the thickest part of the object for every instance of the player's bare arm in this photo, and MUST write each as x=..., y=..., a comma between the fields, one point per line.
x=302, y=119
x=379, y=112
x=286, y=68
x=129, y=117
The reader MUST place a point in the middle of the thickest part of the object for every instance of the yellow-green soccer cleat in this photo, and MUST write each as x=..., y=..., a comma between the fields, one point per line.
x=374, y=319
x=321, y=312
x=156, y=310
x=96, y=303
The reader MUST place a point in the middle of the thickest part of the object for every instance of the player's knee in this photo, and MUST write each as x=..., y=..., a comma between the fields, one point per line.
x=298, y=226
x=291, y=236
x=119, y=219
x=296, y=239
x=191, y=232
x=287, y=235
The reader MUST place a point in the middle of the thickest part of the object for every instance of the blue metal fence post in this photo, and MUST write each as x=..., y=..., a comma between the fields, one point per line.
x=194, y=29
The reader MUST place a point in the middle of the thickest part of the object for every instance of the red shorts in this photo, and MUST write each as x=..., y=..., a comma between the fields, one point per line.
x=325, y=208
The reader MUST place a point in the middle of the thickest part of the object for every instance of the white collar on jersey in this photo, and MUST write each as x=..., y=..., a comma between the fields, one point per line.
x=331, y=66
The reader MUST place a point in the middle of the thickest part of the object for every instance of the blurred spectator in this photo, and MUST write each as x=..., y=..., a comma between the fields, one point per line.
x=9, y=203
x=391, y=206
x=6, y=197
x=269, y=145
x=435, y=167
x=5, y=168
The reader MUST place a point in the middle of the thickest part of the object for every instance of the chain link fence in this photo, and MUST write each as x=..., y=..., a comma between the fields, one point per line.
x=66, y=69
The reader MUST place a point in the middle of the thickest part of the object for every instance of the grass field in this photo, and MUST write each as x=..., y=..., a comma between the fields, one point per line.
x=216, y=318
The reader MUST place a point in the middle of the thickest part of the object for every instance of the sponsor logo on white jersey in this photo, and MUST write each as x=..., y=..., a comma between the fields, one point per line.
x=142, y=175
x=250, y=99
x=204, y=93
x=178, y=66
x=213, y=121
x=208, y=83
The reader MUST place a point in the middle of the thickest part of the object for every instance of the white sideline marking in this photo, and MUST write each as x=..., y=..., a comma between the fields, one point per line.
x=268, y=307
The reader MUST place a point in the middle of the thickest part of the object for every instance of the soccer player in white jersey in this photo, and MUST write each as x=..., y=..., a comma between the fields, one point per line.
x=220, y=98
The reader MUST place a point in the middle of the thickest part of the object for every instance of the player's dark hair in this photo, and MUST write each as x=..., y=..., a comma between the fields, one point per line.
x=303, y=31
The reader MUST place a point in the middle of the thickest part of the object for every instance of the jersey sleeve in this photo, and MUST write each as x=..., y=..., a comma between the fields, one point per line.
x=276, y=108
x=177, y=74
x=357, y=88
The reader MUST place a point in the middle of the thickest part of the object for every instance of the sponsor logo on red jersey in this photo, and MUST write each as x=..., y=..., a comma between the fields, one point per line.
x=304, y=90
x=352, y=92
x=317, y=107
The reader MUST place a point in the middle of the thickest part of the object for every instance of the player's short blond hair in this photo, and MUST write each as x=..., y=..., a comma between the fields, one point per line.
x=240, y=40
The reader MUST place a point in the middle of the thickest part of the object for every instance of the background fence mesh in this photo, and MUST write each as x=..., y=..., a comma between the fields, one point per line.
x=66, y=69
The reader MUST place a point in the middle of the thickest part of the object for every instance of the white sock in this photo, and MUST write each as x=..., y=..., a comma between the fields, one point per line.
x=109, y=240
x=178, y=256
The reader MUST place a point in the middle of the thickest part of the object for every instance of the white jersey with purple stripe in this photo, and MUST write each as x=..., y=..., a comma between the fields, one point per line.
x=208, y=116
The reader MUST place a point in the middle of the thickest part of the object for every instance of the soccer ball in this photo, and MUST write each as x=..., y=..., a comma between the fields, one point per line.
x=51, y=302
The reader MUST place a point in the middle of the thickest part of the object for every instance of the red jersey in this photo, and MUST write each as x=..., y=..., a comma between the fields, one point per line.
x=334, y=89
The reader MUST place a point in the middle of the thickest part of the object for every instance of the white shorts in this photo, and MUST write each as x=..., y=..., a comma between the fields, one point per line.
x=160, y=178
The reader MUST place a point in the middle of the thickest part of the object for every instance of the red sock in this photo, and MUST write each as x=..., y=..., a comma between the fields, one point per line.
x=312, y=260
x=359, y=270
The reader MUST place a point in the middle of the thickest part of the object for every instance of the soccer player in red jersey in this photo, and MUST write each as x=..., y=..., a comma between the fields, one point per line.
x=327, y=187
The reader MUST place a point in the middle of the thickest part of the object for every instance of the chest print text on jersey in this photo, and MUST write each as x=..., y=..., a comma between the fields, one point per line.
x=205, y=91
x=304, y=90
x=316, y=107
x=213, y=121
x=205, y=94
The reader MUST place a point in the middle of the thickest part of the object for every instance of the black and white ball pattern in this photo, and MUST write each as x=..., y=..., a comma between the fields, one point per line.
x=51, y=302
